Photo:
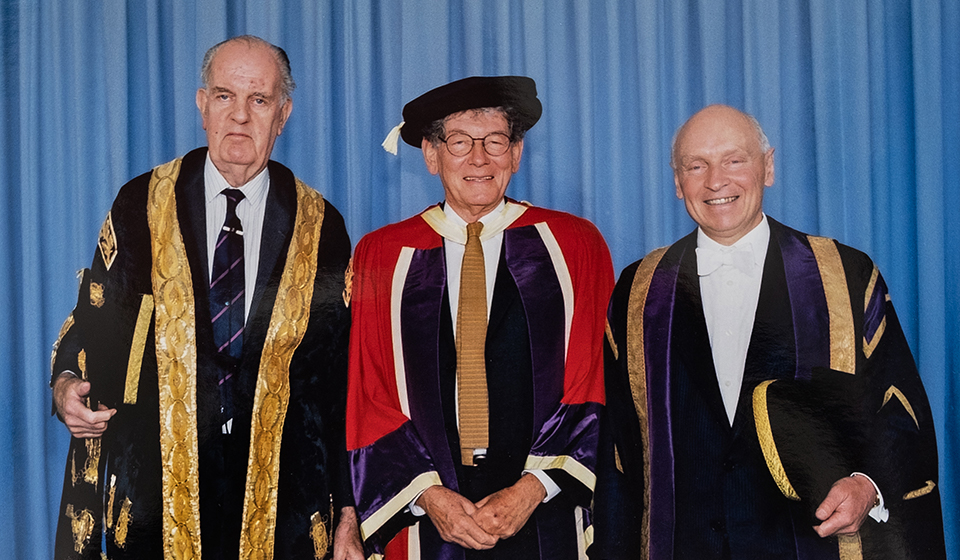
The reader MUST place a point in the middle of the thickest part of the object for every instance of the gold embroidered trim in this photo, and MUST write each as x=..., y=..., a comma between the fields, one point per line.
x=870, y=345
x=842, y=344
x=96, y=295
x=930, y=485
x=761, y=417
x=176, y=368
x=871, y=285
x=637, y=369
x=616, y=458
x=566, y=463
x=850, y=547
x=318, y=532
x=288, y=323
x=82, y=526
x=396, y=504
x=894, y=392
x=107, y=242
x=348, y=283
x=613, y=343
x=64, y=329
x=135, y=359
x=123, y=523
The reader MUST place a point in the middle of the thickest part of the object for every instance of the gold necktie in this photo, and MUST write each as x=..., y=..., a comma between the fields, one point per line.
x=471, y=340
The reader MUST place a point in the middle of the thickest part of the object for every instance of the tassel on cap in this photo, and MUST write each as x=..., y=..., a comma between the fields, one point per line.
x=390, y=142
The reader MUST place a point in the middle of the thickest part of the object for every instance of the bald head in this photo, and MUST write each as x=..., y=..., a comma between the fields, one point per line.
x=722, y=162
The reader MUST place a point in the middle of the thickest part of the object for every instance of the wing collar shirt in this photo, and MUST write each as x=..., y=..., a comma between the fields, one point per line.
x=730, y=287
x=250, y=210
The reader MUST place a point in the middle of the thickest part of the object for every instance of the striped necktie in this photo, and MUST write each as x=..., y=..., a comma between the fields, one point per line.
x=471, y=341
x=227, y=300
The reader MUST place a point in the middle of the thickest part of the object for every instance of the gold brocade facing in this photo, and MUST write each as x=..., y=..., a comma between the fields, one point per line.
x=288, y=323
x=761, y=418
x=637, y=369
x=175, y=324
x=842, y=339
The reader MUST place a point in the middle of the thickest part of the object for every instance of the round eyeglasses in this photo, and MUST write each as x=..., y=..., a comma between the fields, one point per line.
x=460, y=144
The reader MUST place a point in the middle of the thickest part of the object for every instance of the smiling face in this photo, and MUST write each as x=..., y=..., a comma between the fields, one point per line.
x=473, y=184
x=721, y=172
x=243, y=109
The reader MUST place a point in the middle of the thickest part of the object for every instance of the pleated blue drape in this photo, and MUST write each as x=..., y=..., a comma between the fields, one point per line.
x=860, y=98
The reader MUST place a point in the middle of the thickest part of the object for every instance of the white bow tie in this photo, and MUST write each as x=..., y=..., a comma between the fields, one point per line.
x=710, y=259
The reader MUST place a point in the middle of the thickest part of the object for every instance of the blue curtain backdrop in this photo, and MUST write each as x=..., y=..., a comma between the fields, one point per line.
x=860, y=98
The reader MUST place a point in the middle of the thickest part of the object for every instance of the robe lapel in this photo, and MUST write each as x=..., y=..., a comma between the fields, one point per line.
x=693, y=347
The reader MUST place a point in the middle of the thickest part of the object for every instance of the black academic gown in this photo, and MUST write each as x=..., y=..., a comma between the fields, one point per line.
x=724, y=501
x=312, y=449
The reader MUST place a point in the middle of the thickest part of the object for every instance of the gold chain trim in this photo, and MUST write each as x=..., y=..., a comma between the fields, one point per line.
x=176, y=368
x=291, y=313
x=637, y=368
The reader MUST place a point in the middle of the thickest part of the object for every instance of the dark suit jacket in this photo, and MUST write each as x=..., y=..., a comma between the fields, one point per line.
x=312, y=451
x=725, y=503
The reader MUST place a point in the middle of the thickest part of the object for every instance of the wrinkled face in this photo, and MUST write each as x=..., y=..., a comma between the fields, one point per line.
x=721, y=173
x=242, y=110
x=473, y=184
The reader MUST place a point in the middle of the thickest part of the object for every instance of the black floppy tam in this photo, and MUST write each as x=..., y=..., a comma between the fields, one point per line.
x=477, y=92
x=810, y=432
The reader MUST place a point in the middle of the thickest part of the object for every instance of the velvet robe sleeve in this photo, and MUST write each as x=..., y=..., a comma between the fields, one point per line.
x=390, y=465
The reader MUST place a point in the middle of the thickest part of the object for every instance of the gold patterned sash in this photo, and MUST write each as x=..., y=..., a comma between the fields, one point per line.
x=177, y=372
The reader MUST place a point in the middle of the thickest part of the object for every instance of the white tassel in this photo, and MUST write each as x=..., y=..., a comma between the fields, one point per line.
x=390, y=142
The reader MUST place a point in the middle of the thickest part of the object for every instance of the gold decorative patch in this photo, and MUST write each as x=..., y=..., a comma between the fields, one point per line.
x=82, y=526
x=318, y=531
x=108, y=242
x=928, y=487
x=96, y=294
x=894, y=392
x=56, y=345
x=288, y=323
x=348, y=283
x=123, y=522
x=112, y=495
x=92, y=464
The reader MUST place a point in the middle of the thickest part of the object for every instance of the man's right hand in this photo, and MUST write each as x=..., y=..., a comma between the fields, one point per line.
x=69, y=392
x=451, y=515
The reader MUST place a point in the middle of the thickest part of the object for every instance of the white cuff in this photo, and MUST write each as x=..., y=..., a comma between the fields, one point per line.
x=879, y=513
x=416, y=510
x=548, y=484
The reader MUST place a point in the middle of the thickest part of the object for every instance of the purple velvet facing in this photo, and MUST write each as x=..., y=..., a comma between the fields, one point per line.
x=811, y=326
x=572, y=431
x=657, y=325
x=876, y=309
x=532, y=269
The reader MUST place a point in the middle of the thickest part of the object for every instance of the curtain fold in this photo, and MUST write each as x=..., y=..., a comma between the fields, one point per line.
x=861, y=100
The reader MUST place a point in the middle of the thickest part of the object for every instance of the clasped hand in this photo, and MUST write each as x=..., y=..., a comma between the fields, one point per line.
x=479, y=526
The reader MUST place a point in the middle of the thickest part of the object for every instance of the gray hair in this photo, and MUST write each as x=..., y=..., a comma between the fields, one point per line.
x=761, y=138
x=437, y=129
x=287, y=85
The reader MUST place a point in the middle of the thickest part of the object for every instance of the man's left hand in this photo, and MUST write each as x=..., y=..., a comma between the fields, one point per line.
x=505, y=512
x=346, y=537
x=846, y=506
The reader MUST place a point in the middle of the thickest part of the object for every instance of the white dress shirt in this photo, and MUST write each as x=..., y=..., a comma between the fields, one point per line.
x=250, y=210
x=730, y=294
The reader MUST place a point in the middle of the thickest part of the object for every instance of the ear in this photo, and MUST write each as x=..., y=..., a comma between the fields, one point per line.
x=768, y=171
x=516, y=150
x=430, y=156
x=202, y=105
x=285, y=114
x=676, y=181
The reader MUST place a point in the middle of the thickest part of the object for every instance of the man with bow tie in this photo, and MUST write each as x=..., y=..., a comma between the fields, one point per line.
x=476, y=351
x=691, y=463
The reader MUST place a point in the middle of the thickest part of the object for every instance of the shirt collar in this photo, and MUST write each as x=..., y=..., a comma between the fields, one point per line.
x=485, y=219
x=756, y=239
x=254, y=191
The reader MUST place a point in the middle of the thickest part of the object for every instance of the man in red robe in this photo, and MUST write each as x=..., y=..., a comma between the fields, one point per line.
x=423, y=487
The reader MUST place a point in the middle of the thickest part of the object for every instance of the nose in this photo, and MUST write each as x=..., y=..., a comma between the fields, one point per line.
x=478, y=155
x=716, y=178
x=240, y=112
